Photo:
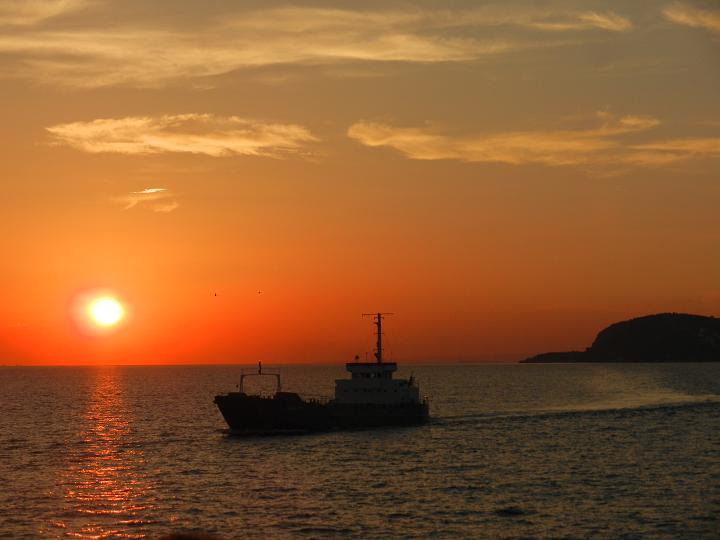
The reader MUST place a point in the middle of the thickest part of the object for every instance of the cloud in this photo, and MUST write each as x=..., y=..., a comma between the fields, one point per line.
x=191, y=133
x=153, y=58
x=696, y=18
x=669, y=151
x=584, y=21
x=561, y=147
x=157, y=199
x=167, y=207
x=299, y=21
x=28, y=12
x=144, y=55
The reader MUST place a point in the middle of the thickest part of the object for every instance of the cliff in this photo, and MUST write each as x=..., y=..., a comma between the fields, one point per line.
x=665, y=337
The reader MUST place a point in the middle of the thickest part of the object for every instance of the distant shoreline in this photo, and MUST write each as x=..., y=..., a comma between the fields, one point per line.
x=662, y=338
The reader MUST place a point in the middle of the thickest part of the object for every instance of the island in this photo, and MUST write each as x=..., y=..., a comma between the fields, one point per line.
x=664, y=337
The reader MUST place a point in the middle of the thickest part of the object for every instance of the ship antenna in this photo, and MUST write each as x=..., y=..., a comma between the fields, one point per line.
x=377, y=320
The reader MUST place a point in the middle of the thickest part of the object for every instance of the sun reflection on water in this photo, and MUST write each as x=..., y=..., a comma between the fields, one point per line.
x=104, y=493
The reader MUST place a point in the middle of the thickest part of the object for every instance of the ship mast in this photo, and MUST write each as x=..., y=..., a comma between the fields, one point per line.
x=377, y=321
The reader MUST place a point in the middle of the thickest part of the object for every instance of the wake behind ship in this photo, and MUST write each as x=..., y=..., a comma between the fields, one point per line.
x=371, y=397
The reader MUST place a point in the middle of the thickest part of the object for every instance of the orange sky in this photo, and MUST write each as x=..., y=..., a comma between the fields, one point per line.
x=507, y=179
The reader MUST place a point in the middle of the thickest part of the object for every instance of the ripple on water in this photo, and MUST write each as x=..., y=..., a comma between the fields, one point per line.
x=511, y=452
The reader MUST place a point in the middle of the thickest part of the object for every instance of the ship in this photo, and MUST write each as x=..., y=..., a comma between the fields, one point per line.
x=370, y=398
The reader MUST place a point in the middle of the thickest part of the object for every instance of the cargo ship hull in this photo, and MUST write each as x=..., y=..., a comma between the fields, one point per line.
x=289, y=413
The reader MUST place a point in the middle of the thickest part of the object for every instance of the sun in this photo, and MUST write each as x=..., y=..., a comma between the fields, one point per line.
x=106, y=311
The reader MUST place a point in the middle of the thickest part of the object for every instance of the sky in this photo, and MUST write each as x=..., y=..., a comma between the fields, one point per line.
x=248, y=178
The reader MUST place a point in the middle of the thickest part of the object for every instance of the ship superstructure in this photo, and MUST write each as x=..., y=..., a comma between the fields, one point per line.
x=372, y=382
x=371, y=397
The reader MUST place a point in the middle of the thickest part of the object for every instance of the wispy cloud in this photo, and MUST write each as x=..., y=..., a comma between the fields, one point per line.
x=588, y=20
x=669, y=151
x=27, y=12
x=138, y=54
x=156, y=199
x=192, y=133
x=689, y=16
x=295, y=20
x=560, y=147
x=153, y=58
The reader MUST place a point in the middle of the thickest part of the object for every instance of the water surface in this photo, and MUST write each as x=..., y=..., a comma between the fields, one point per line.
x=585, y=450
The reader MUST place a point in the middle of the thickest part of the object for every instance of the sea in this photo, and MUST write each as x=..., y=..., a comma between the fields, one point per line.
x=512, y=451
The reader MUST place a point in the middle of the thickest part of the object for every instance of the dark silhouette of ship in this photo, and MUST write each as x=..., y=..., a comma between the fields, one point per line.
x=370, y=398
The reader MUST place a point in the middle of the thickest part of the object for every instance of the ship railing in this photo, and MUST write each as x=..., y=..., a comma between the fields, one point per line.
x=244, y=373
x=314, y=398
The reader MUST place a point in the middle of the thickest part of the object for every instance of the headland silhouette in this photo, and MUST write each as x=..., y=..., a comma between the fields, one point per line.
x=664, y=337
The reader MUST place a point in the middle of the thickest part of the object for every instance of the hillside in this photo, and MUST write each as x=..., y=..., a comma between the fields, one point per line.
x=665, y=337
